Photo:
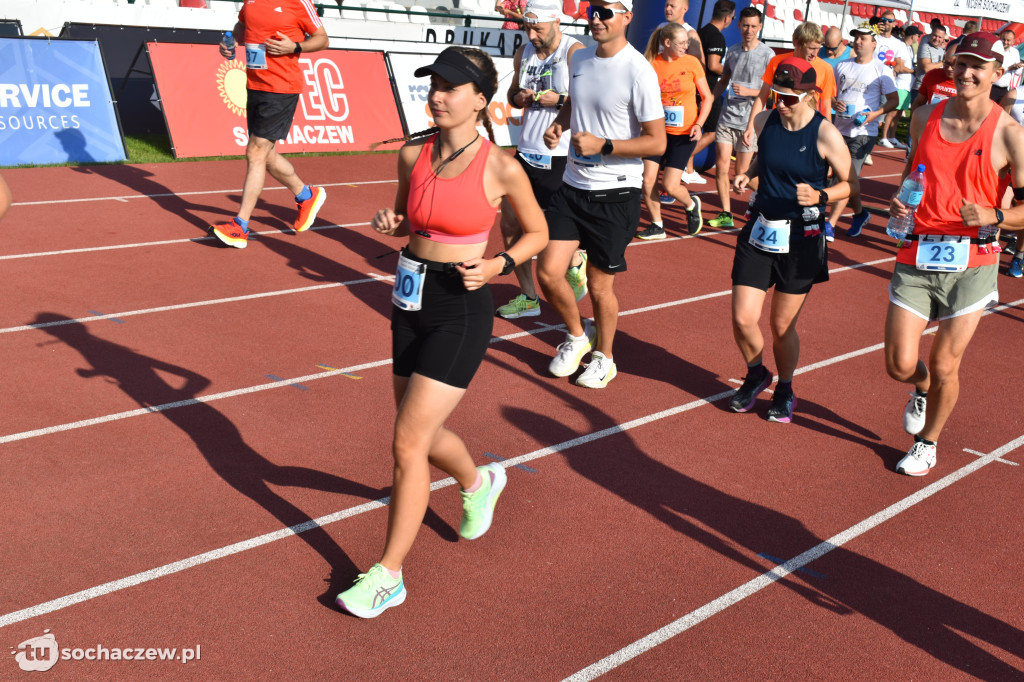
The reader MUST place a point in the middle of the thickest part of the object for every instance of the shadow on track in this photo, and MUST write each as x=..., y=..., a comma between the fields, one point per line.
x=943, y=627
x=219, y=441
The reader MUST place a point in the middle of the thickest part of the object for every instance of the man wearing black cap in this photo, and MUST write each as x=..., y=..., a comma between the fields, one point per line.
x=616, y=117
x=946, y=271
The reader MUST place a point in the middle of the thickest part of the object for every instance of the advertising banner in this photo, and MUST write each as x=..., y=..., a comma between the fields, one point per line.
x=55, y=103
x=1004, y=10
x=347, y=103
x=412, y=92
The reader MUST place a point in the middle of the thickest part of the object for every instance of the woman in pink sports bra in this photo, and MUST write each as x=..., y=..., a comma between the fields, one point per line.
x=450, y=184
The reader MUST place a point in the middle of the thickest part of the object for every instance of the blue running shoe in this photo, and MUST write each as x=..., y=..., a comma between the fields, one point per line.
x=830, y=232
x=666, y=198
x=857, y=224
x=1016, y=268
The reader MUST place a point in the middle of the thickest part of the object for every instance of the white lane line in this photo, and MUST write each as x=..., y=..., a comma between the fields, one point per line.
x=186, y=240
x=206, y=557
x=126, y=197
x=982, y=454
x=764, y=580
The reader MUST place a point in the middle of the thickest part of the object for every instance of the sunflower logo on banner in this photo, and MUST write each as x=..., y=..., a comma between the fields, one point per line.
x=231, y=86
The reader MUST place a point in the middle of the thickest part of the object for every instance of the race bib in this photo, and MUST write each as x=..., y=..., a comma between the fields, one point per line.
x=588, y=160
x=255, y=56
x=408, y=291
x=937, y=98
x=849, y=112
x=541, y=161
x=673, y=117
x=943, y=253
x=770, y=235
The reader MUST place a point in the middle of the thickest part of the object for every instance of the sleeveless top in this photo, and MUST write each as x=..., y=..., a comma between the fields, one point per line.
x=789, y=157
x=450, y=210
x=540, y=75
x=953, y=172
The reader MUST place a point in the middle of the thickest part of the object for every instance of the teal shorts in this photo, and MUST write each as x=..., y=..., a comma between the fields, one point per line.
x=905, y=102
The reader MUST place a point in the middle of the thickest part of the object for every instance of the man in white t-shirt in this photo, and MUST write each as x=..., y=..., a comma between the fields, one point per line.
x=895, y=54
x=1011, y=68
x=865, y=92
x=615, y=117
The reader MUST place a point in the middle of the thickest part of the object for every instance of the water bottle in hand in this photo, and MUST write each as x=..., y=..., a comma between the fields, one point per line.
x=229, y=43
x=911, y=192
x=861, y=117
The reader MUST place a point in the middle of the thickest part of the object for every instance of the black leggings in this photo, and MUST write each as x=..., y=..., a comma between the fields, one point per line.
x=447, y=338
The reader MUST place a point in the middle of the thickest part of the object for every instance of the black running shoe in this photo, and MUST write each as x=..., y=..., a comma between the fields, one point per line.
x=751, y=388
x=782, y=407
x=1011, y=245
x=694, y=220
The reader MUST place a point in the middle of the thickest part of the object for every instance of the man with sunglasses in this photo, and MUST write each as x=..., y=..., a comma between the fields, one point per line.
x=615, y=116
x=540, y=86
x=897, y=57
x=866, y=93
x=946, y=271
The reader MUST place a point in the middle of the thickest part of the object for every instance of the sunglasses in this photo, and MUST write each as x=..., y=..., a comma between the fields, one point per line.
x=787, y=99
x=888, y=21
x=603, y=13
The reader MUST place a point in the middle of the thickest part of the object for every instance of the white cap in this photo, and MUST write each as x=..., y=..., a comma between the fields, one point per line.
x=542, y=11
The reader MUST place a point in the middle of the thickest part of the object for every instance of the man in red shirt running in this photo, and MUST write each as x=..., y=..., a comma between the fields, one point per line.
x=946, y=270
x=274, y=34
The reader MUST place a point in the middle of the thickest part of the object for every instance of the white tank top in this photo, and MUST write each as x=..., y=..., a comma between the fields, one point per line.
x=539, y=75
x=1017, y=110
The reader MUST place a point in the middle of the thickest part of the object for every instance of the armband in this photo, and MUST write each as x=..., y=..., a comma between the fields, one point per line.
x=1018, y=193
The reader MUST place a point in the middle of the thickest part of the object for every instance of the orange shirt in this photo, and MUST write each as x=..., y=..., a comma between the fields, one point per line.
x=263, y=19
x=954, y=172
x=826, y=80
x=678, y=81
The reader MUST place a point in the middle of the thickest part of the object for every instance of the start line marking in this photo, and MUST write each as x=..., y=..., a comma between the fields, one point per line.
x=639, y=647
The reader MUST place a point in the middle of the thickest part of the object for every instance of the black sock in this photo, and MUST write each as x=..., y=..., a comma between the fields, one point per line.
x=918, y=439
x=922, y=394
x=784, y=387
x=756, y=370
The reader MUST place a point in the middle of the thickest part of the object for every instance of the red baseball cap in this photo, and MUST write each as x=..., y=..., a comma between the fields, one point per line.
x=797, y=74
x=985, y=46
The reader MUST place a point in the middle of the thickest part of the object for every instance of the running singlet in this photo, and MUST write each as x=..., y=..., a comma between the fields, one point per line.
x=450, y=210
x=790, y=157
x=954, y=172
x=540, y=75
x=264, y=19
x=678, y=82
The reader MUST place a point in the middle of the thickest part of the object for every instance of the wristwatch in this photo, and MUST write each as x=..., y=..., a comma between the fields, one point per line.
x=509, y=263
x=607, y=149
x=561, y=101
x=999, y=217
x=822, y=196
x=298, y=48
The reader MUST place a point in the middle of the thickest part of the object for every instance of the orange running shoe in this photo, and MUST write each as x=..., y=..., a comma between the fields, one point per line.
x=309, y=208
x=231, y=233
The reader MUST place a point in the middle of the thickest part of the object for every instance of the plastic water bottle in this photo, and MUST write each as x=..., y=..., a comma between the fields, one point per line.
x=911, y=192
x=861, y=117
x=229, y=42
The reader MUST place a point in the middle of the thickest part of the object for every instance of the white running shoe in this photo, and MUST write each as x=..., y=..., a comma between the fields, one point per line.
x=919, y=461
x=598, y=373
x=868, y=161
x=913, y=413
x=886, y=142
x=571, y=351
x=896, y=144
x=693, y=178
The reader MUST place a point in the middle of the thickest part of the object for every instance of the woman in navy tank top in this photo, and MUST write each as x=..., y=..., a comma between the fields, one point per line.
x=783, y=245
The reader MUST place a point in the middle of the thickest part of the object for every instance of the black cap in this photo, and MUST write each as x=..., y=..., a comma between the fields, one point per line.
x=457, y=68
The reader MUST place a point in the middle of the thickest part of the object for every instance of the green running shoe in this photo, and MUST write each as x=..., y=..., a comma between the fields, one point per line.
x=520, y=306
x=577, y=276
x=373, y=593
x=723, y=219
x=478, y=506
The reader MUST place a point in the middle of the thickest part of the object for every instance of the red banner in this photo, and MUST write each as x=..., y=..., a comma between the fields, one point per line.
x=347, y=103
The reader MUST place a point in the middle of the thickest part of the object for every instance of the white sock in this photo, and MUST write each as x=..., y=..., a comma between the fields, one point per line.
x=692, y=204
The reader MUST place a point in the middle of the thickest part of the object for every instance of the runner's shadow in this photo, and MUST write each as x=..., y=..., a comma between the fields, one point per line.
x=219, y=441
x=816, y=417
x=140, y=180
x=738, y=530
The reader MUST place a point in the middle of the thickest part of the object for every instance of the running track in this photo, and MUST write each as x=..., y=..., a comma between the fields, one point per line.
x=195, y=446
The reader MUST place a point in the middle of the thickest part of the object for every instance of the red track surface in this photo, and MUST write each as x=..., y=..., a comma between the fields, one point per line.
x=643, y=508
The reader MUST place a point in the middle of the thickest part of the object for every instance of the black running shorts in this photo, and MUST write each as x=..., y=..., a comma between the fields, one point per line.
x=545, y=182
x=795, y=272
x=270, y=114
x=678, y=150
x=447, y=338
x=604, y=222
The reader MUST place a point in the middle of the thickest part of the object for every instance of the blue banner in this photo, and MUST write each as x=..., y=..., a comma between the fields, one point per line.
x=55, y=103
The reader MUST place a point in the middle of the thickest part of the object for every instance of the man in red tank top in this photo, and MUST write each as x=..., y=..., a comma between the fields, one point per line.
x=946, y=271
x=273, y=34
